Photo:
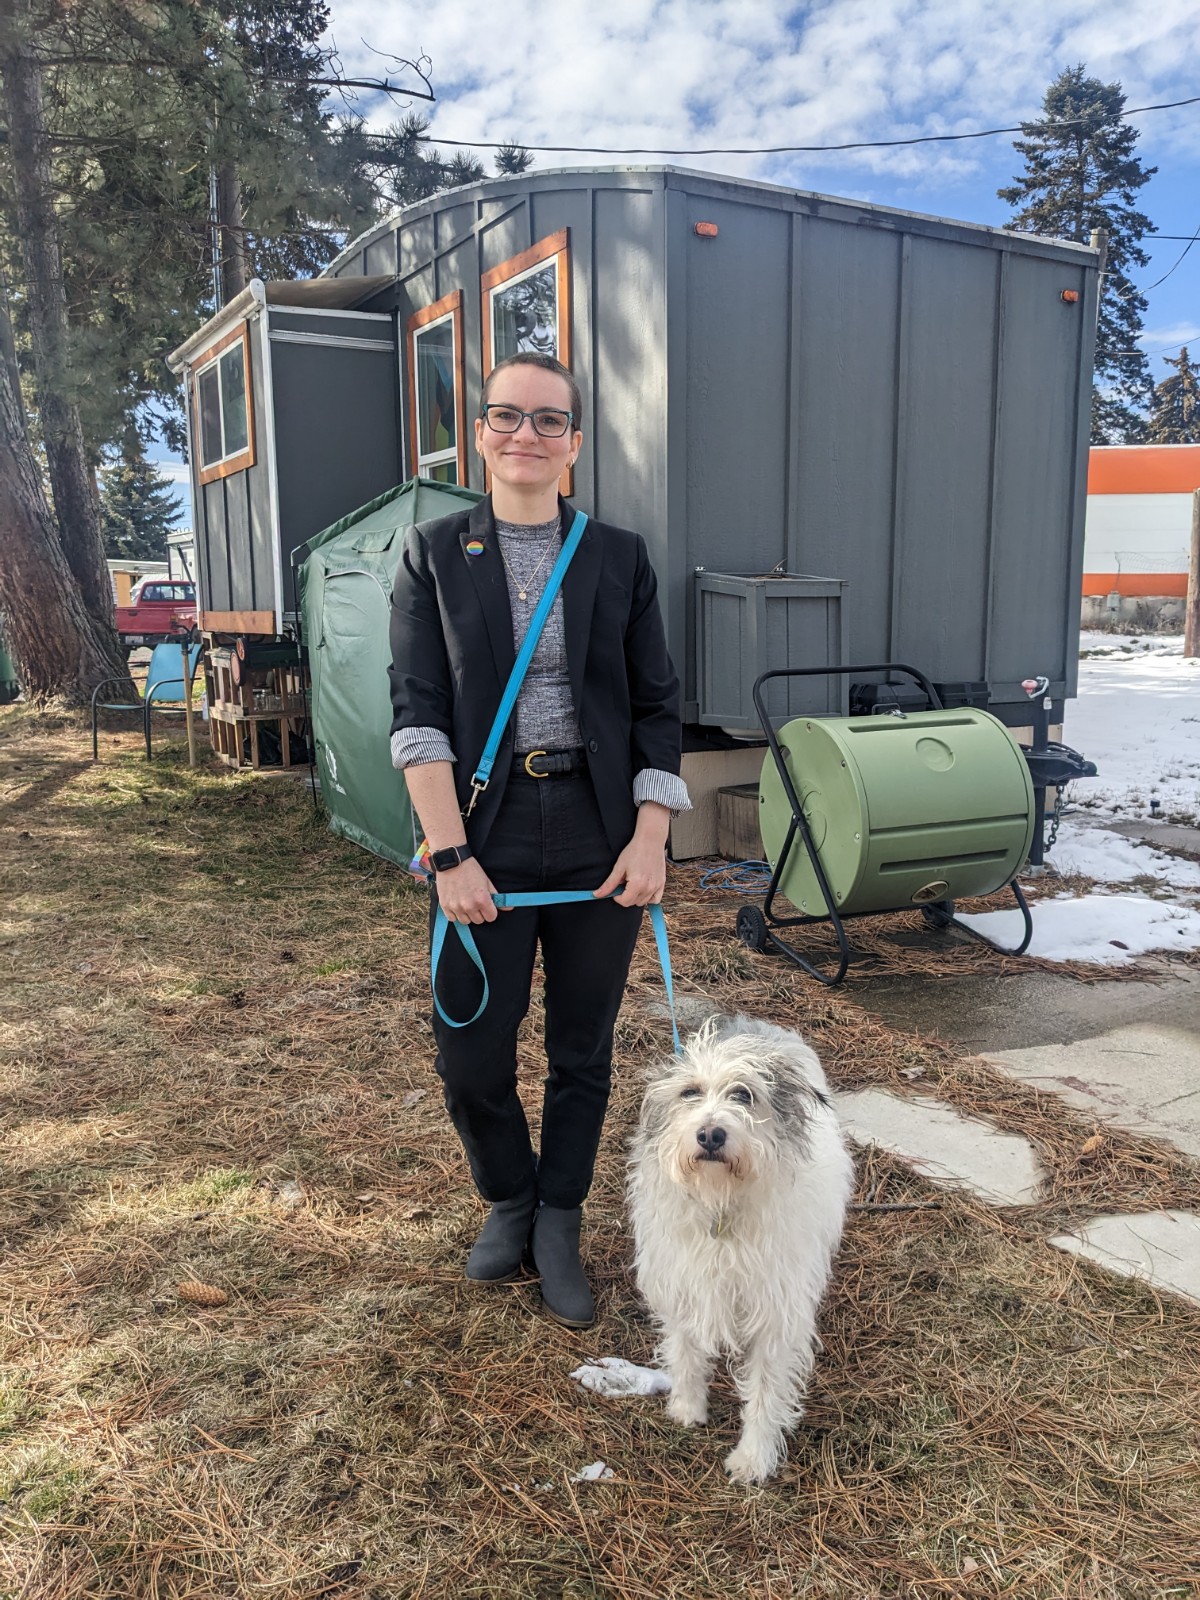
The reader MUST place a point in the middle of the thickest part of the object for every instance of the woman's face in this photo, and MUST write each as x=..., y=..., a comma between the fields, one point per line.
x=526, y=459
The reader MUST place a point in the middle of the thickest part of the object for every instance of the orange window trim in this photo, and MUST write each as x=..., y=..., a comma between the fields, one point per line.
x=558, y=246
x=248, y=456
x=1144, y=469
x=449, y=305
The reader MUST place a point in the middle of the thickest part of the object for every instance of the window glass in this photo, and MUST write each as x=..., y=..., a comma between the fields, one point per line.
x=210, y=417
x=525, y=314
x=436, y=411
x=443, y=472
x=155, y=591
x=233, y=399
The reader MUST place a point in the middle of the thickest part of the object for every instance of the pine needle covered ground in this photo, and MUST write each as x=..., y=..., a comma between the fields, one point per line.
x=216, y=1070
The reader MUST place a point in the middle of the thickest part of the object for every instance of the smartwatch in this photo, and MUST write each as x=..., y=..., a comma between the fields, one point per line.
x=453, y=856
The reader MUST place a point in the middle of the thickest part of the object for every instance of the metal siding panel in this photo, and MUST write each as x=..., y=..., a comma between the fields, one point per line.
x=1035, y=568
x=737, y=386
x=341, y=325
x=628, y=363
x=673, y=562
x=415, y=244
x=218, y=546
x=452, y=222
x=262, y=546
x=941, y=615
x=844, y=433
x=338, y=437
x=505, y=237
x=380, y=256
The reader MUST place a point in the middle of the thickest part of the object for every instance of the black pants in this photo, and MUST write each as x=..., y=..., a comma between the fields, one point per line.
x=547, y=835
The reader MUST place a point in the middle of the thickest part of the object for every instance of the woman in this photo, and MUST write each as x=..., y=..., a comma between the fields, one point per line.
x=581, y=797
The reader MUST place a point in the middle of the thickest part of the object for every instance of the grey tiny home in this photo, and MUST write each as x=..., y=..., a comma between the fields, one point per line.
x=776, y=384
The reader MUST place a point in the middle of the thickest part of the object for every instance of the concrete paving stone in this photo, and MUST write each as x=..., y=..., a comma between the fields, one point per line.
x=1162, y=1247
x=944, y=1145
x=1144, y=1078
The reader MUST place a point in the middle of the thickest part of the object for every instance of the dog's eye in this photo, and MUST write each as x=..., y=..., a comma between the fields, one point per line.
x=742, y=1096
x=691, y=1093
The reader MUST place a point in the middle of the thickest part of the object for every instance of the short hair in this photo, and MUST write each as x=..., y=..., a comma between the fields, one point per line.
x=534, y=358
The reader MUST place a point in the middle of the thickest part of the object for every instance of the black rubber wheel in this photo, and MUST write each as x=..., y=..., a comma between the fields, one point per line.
x=752, y=928
x=939, y=913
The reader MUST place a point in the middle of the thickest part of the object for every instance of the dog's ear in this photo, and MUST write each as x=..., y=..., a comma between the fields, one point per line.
x=792, y=1092
x=661, y=1094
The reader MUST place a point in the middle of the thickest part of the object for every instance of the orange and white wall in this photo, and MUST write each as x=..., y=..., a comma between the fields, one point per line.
x=1138, y=529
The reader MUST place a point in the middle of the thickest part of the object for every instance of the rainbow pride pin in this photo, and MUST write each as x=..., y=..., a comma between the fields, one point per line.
x=474, y=547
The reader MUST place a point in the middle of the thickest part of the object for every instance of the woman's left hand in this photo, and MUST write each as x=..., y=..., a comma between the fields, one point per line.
x=642, y=865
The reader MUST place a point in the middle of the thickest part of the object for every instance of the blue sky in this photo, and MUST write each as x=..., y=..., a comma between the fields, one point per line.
x=681, y=73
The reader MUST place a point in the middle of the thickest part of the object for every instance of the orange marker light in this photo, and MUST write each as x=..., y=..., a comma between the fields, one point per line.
x=1070, y=296
x=707, y=230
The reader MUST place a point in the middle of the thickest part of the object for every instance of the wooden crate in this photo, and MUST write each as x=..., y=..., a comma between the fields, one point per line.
x=738, y=835
x=237, y=711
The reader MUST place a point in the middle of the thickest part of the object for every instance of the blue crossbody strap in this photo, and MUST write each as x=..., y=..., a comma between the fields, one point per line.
x=558, y=897
x=529, y=644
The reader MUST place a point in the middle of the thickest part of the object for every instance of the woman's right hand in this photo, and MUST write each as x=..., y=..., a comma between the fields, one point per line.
x=465, y=893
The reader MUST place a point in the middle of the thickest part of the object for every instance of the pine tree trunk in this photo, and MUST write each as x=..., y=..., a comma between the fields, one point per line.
x=61, y=651
x=72, y=481
x=234, y=271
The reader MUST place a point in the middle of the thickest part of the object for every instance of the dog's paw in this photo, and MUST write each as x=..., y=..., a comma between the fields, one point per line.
x=688, y=1410
x=746, y=1464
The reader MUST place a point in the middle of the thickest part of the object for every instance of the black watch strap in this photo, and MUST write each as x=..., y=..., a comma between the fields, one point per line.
x=453, y=856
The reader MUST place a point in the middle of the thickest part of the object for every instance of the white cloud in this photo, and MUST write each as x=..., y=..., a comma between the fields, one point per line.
x=734, y=72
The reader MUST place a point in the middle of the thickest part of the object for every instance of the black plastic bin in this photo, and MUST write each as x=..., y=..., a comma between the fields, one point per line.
x=953, y=695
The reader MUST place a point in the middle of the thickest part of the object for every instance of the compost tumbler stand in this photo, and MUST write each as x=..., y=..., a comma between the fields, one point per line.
x=754, y=925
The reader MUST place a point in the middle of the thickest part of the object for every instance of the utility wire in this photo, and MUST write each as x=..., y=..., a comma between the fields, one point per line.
x=785, y=149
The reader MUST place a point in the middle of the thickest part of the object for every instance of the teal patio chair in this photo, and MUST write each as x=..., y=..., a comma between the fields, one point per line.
x=165, y=673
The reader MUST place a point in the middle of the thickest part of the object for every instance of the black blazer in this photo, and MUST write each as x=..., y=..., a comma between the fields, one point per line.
x=452, y=652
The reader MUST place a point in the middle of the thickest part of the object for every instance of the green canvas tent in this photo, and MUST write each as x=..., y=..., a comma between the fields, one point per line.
x=344, y=579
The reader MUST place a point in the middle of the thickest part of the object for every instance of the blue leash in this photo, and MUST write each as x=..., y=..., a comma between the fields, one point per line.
x=559, y=897
x=529, y=644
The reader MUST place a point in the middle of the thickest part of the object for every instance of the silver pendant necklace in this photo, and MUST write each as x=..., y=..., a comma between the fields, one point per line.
x=524, y=588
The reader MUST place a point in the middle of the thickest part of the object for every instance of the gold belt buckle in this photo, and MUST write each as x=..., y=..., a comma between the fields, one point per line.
x=533, y=754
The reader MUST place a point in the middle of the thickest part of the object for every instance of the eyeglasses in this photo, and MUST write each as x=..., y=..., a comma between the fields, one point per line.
x=507, y=419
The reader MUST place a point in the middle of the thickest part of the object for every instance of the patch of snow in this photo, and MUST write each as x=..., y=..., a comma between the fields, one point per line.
x=1090, y=851
x=1109, y=929
x=612, y=1376
x=1094, y=642
x=1138, y=719
x=593, y=1473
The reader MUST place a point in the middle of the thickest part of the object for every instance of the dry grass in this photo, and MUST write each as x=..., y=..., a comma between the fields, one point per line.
x=217, y=1068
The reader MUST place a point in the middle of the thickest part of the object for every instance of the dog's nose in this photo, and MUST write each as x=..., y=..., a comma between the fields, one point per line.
x=710, y=1138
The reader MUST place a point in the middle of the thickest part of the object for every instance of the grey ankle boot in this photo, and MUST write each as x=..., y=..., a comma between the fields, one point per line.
x=554, y=1247
x=496, y=1254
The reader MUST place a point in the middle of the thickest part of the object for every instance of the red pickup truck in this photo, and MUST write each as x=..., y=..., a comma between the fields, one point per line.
x=158, y=609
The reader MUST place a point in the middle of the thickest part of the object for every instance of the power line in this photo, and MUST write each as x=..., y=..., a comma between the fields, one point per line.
x=785, y=149
x=1170, y=270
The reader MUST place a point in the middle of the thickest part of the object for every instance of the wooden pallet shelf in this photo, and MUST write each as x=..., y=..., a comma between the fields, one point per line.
x=276, y=694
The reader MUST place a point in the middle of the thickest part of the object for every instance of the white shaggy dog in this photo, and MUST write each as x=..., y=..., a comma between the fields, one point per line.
x=738, y=1188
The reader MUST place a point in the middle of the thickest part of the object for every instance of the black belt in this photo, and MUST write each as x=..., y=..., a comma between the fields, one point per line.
x=549, y=763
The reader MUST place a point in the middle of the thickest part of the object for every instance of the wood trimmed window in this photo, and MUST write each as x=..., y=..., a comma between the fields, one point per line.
x=223, y=407
x=437, y=391
x=527, y=302
x=527, y=306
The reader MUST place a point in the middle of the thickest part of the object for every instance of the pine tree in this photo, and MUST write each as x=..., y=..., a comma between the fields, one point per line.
x=512, y=159
x=138, y=507
x=1079, y=176
x=1175, y=418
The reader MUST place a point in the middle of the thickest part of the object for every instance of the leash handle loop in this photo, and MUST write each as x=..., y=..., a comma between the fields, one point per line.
x=555, y=897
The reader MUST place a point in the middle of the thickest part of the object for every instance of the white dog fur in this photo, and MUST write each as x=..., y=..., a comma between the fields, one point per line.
x=735, y=1236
